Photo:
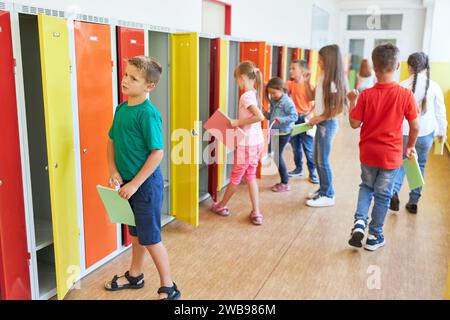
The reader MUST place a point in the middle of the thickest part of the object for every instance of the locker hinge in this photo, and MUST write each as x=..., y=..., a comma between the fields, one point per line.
x=112, y=65
x=70, y=69
x=15, y=65
x=29, y=258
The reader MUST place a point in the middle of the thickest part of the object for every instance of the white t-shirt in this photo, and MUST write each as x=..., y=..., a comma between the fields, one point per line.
x=318, y=101
x=434, y=120
x=366, y=82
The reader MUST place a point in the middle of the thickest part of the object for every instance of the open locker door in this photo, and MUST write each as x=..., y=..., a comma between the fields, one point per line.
x=282, y=61
x=130, y=43
x=218, y=100
x=314, y=65
x=93, y=55
x=54, y=50
x=14, y=271
x=184, y=126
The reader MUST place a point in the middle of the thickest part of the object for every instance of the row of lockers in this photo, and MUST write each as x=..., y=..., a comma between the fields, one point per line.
x=59, y=87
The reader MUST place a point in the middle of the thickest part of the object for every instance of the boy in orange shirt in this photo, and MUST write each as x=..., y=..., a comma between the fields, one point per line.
x=297, y=91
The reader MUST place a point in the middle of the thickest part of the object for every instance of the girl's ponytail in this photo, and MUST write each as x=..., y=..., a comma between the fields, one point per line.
x=424, y=101
x=259, y=87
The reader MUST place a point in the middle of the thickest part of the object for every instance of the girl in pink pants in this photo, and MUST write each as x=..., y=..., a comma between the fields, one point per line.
x=248, y=151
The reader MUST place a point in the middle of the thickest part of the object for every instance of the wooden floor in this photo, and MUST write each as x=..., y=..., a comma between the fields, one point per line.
x=301, y=252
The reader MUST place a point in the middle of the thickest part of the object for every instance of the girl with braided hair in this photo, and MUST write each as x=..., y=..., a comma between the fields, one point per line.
x=432, y=121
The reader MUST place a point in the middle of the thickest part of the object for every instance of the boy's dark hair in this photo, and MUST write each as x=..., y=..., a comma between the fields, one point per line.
x=150, y=68
x=302, y=63
x=385, y=57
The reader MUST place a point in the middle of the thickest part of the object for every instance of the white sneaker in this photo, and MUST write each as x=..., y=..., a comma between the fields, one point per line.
x=313, y=195
x=321, y=201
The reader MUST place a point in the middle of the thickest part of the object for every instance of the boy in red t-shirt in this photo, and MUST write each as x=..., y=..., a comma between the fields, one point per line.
x=380, y=112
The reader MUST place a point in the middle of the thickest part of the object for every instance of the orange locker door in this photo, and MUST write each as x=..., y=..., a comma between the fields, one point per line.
x=255, y=52
x=95, y=100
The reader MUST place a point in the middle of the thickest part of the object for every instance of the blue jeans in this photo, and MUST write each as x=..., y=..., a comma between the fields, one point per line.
x=423, y=146
x=307, y=142
x=378, y=184
x=279, y=148
x=326, y=130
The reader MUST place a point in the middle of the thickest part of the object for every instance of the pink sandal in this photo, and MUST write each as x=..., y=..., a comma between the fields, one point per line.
x=223, y=211
x=281, y=187
x=256, y=218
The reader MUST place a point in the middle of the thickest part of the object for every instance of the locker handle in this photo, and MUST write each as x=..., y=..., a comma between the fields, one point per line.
x=56, y=166
x=85, y=151
x=194, y=133
x=1, y=183
x=46, y=168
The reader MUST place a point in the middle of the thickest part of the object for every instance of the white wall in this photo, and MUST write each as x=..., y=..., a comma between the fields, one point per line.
x=279, y=21
x=287, y=21
x=178, y=14
x=438, y=45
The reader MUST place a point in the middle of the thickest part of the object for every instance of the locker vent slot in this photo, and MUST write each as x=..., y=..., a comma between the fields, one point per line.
x=95, y=19
x=48, y=12
x=130, y=24
x=159, y=28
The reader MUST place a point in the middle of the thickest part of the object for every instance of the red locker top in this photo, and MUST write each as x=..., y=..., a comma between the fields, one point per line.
x=130, y=43
x=14, y=271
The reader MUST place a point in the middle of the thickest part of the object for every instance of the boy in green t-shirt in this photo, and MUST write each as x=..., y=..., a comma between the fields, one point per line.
x=135, y=150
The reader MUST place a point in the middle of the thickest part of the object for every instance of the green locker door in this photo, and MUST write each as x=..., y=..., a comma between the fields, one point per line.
x=184, y=127
x=54, y=50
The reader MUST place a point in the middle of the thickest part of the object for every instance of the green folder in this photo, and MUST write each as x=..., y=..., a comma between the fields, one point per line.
x=300, y=128
x=413, y=173
x=118, y=209
x=438, y=147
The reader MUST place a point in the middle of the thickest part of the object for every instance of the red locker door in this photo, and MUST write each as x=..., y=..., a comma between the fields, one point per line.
x=213, y=106
x=95, y=100
x=14, y=272
x=130, y=43
x=280, y=67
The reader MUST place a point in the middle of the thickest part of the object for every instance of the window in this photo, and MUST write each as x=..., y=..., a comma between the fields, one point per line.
x=357, y=51
x=379, y=42
x=320, y=24
x=375, y=22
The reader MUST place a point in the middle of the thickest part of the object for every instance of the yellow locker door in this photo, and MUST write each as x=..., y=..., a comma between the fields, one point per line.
x=314, y=66
x=223, y=83
x=184, y=127
x=54, y=49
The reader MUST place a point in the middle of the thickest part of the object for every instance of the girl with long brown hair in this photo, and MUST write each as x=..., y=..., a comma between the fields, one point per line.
x=330, y=100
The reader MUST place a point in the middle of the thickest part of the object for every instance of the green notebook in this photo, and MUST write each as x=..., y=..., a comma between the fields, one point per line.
x=413, y=174
x=438, y=147
x=119, y=209
x=300, y=128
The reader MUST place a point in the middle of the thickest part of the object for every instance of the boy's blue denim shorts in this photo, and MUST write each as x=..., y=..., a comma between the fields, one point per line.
x=147, y=204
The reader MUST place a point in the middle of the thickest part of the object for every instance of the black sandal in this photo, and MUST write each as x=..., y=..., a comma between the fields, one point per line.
x=172, y=292
x=133, y=282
